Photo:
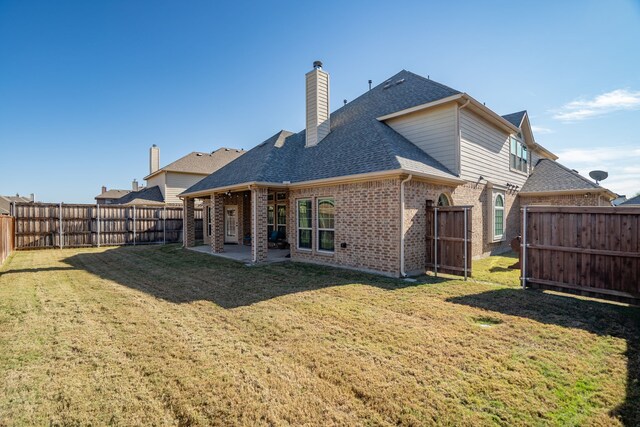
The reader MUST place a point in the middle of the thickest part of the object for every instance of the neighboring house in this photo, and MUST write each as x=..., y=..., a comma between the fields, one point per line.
x=7, y=201
x=110, y=197
x=176, y=177
x=620, y=198
x=352, y=188
x=145, y=196
x=634, y=201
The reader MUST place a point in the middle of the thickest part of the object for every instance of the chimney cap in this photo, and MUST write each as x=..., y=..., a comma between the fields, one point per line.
x=317, y=64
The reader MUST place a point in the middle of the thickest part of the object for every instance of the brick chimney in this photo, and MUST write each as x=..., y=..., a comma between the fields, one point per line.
x=318, y=125
x=154, y=158
x=104, y=189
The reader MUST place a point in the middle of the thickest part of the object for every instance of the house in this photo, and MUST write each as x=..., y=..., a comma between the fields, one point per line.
x=634, y=201
x=7, y=201
x=110, y=197
x=352, y=188
x=176, y=177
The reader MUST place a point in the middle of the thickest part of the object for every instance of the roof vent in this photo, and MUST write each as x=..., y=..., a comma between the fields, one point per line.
x=317, y=64
x=199, y=154
x=226, y=149
x=399, y=82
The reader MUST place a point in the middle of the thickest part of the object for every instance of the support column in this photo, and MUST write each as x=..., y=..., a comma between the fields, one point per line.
x=259, y=238
x=217, y=216
x=189, y=224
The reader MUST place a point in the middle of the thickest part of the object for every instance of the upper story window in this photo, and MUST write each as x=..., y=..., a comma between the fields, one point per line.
x=518, y=157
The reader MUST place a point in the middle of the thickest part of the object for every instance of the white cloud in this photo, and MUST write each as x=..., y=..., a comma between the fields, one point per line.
x=541, y=130
x=620, y=162
x=619, y=99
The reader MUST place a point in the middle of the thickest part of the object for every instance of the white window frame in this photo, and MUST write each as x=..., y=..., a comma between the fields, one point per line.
x=494, y=208
x=298, y=228
x=318, y=229
x=209, y=220
x=272, y=224
x=276, y=218
x=519, y=142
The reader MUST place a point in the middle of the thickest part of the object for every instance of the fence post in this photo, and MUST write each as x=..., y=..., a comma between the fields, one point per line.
x=435, y=241
x=523, y=267
x=465, y=244
x=134, y=225
x=164, y=225
x=98, y=223
x=14, y=214
x=60, y=224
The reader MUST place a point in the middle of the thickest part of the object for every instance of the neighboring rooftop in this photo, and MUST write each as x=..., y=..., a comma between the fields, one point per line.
x=549, y=176
x=515, y=118
x=112, y=194
x=201, y=163
x=146, y=196
x=632, y=201
x=6, y=201
x=358, y=143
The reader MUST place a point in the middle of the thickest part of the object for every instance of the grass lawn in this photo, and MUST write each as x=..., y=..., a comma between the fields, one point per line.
x=162, y=336
x=496, y=269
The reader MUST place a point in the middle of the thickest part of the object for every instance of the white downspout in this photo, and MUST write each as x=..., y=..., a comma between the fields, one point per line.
x=254, y=225
x=402, y=272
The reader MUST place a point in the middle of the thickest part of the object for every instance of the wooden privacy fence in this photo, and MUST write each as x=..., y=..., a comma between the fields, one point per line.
x=594, y=251
x=45, y=225
x=7, y=225
x=449, y=239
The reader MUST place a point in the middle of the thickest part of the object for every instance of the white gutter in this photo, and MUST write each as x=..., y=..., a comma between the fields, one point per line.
x=402, y=272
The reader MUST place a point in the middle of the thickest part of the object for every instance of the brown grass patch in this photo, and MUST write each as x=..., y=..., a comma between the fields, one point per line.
x=162, y=336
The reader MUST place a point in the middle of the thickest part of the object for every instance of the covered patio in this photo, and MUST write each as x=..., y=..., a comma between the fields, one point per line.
x=243, y=253
x=248, y=224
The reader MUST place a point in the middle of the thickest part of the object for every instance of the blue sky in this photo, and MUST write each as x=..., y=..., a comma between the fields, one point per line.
x=87, y=87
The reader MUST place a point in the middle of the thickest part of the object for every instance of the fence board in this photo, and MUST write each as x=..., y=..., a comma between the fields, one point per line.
x=593, y=251
x=46, y=225
x=7, y=225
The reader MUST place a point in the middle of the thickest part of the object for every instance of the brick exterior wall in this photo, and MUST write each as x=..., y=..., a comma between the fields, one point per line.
x=259, y=241
x=416, y=194
x=566, y=200
x=189, y=225
x=366, y=219
x=217, y=212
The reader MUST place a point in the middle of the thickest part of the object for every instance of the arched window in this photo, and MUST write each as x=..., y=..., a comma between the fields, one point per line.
x=444, y=200
x=498, y=217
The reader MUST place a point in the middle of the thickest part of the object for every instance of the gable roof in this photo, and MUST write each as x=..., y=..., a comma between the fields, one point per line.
x=632, y=201
x=201, y=163
x=6, y=201
x=112, y=194
x=146, y=196
x=550, y=176
x=358, y=143
x=515, y=118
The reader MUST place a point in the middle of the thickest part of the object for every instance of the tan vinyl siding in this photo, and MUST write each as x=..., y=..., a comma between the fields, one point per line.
x=176, y=183
x=158, y=180
x=484, y=151
x=434, y=131
x=317, y=114
x=534, y=159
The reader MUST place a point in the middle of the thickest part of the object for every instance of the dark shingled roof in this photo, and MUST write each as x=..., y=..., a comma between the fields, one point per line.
x=515, y=118
x=146, y=196
x=112, y=194
x=631, y=201
x=202, y=163
x=549, y=175
x=358, y=143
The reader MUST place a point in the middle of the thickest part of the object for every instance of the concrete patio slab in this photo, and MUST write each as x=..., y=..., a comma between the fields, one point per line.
x=243, y=253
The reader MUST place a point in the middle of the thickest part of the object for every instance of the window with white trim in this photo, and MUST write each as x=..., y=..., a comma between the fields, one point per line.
x=281, y=220
x=209, y=220
x=270, y=220
x=518, y=156
x=326, y=224
x=498, y=216
x=305, y=224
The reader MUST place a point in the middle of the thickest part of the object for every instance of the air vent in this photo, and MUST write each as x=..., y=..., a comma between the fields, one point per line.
x=199, y=154
x=400, y=82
